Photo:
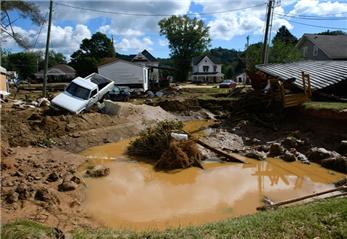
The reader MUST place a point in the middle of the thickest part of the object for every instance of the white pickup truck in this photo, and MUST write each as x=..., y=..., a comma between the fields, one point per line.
x=82, y=93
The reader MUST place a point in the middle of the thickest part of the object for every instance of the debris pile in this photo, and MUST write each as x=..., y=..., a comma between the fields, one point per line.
x=156, y=144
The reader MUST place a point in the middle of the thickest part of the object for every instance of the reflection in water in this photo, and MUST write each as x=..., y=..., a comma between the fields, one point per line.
x=137, y=197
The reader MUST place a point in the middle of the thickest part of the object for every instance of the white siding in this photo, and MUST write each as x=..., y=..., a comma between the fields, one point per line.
x=207, y=62
x=125, y=73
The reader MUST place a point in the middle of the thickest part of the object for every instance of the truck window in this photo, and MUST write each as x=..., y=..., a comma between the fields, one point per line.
x=94, y=93
x=78, y=91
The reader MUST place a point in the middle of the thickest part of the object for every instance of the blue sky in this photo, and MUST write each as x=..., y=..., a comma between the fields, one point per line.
x=230, y=22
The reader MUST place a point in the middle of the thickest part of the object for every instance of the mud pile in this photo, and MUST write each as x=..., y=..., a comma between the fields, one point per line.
x=42, y=185
x=157, y=147
x=43, y=128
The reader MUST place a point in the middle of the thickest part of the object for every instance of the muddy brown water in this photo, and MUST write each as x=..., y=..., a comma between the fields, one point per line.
x=134, y=196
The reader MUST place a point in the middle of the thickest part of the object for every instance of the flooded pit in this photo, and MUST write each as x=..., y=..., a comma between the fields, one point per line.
x=134, y=196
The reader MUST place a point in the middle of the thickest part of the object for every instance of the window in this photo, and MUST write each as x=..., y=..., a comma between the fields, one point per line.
x=315, y=51
x=215, y=68
x=94, y=92
x=78, y=91
x=205, y=68
x=304, y=51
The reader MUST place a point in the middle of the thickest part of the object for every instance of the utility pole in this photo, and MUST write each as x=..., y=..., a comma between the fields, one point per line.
x=247, y=42
x=47, y=49
x=266, y=37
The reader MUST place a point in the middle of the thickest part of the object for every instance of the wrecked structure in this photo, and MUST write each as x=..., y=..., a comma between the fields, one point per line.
x=298, y=81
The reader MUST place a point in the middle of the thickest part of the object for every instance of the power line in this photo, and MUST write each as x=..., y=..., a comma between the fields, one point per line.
x=38, y=35
x=318, y=26
x=312, y=17
x=156, y=15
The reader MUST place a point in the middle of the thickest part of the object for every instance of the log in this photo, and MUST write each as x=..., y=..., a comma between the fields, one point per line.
x=231, y=156
x=301, y=198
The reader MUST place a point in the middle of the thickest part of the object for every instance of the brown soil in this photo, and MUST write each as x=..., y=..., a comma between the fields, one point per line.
x=39, y=177
x=30, y=191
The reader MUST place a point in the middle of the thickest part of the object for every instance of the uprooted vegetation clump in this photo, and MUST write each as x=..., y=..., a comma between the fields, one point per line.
x=156, y=145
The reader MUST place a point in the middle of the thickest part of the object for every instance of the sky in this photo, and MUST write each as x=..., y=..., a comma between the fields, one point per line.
x=134, y=23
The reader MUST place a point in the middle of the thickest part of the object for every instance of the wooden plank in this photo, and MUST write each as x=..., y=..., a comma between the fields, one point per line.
x=301, y=198
x=231, y=156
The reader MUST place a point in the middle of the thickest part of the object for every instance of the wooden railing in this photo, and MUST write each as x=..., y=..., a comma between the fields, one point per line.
x=291, y=100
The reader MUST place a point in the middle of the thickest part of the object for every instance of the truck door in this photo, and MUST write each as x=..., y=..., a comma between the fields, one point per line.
x=93, y=97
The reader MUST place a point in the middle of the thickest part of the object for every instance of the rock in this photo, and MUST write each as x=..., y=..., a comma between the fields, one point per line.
x=45, y=195
x=341, y=182
x=302, y=158
x=342, y=149
x=5, y=165
x=275, y=149
x=291, y=142
x=288, y=156
x=335, y=163
x=53, y=177
x=67, y=186
x=18, y=174
x=98, y=171
x=255, y=155
x=75, y=179
x=11, y=197
x=23, y=191
x=318, y=154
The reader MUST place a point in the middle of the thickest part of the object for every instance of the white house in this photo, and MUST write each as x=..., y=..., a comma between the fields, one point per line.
x=242, y=79
x=125, y=73
x=146, y=59
x=206, y=69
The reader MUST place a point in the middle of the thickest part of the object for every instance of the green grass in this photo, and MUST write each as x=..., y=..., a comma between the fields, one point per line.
x=206, y=90
x=325, y=105
x=26, y=229
x=323, y=219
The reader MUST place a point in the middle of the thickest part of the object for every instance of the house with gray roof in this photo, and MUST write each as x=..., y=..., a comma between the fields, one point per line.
x=206, y=69
x=146, y=59
x=323, y=47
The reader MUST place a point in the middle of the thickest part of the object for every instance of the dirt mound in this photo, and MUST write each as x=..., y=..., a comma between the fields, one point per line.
x=31, y=183
x=180, y=106
x=180, y=154
x=75, y=133
x=136, y=112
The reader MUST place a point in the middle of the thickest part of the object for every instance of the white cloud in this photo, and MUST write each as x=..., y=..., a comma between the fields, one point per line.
x=119, y=21
x=319, y=8
x=134, y=44
x=63, y=39
x=163, y=42
x=227, y=25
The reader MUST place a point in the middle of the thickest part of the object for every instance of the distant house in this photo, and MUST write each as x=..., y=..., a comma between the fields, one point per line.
x=125, y=73
x=59, y=72
x=323, y=47
x=4, y=87
x=242, y=79
x=206, y=69
x=146, y=59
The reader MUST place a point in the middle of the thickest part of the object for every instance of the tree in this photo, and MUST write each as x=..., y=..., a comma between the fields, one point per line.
x=252, y=56
x=25, y=63
x=25, y=10
x=284, y=35
x=91, y=51
x=230, y=59
x=335, y=33
x=282, y=52
x=54, y=58
x=188, y=37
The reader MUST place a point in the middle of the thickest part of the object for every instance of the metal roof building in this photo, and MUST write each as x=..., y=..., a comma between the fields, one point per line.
x=322, y=73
